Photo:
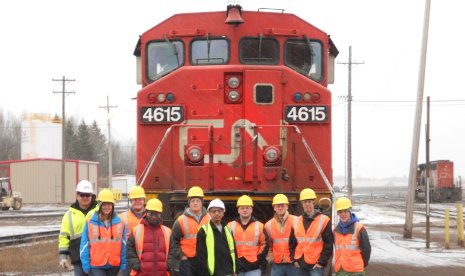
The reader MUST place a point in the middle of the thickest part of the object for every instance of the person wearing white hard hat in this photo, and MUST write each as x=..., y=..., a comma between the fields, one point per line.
x=72, y=225
x=215, y=250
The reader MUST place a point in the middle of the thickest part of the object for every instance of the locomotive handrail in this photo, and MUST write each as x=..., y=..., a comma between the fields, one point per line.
x=310, y=152
x=147, y=168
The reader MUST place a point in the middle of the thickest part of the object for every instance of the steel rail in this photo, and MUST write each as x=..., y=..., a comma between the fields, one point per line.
x=28, y=237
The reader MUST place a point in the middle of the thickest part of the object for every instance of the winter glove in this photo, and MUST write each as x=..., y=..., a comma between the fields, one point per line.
x=64, y=263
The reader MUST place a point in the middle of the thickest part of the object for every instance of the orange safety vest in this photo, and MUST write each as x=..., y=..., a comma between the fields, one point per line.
x=248, y=242
x=310, y=243
x=105, y=250
x=130, y=220
x=138, y=232
x=347, y=251
x=280, y=238
x=189, y=228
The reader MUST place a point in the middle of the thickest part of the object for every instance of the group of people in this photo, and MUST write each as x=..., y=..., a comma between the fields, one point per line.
x=98, y=242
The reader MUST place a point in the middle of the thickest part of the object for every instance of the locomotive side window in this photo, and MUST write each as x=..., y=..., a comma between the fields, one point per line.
x=263, y=94
x=209, y=51
x=304, y=57
x=259, y=50
x=163, y=57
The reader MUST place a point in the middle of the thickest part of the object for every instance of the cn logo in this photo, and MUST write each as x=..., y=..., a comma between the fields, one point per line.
x=233, y=155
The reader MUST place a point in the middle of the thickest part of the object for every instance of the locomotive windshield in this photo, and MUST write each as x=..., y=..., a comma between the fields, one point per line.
x=259, y=50
x=209, y=51
x=163, y=57
x=304, y=59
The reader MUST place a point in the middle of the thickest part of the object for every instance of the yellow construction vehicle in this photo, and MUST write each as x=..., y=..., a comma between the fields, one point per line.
x=8, y=198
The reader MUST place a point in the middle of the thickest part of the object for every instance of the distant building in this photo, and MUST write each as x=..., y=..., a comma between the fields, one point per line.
x=40, y=136
x=39, y=180
x=123, y=183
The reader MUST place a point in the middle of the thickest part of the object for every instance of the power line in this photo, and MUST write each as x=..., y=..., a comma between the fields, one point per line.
x=108, y=107
x=349, y=121
x=63, y=93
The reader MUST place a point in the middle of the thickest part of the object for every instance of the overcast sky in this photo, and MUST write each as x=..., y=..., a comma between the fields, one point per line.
x=93, y=41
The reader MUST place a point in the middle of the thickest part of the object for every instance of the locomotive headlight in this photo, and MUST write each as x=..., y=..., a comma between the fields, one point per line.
x=271, y=154
x=161, y=97
x=233, y=95
x=233, y=82
x=297, y=96
x=316, y=97
x=307, y=97
x=170, y=97
x=194, y=154
x=151, y=97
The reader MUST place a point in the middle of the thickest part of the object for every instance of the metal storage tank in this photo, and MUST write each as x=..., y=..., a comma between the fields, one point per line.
x=39, y=180
x=40, y=136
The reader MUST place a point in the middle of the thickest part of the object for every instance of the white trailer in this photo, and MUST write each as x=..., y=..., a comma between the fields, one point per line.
x=123, y=183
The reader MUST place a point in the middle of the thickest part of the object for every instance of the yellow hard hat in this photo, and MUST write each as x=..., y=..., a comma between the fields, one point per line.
x=195, y=191
x=244, y=200
x=280, y=199
x=343, y=203
x=154, y=204
x=307, y=193
x=106, y=195
x=136, y=192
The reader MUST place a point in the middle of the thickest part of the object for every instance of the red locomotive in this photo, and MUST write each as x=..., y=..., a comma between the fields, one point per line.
x=235, y=102
x=442, y=186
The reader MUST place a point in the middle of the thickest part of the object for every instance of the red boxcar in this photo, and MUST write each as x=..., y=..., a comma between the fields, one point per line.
x=235, y=102
x=442, y=183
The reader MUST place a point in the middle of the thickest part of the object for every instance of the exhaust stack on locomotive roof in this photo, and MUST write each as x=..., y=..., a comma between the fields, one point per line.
x=234, y=13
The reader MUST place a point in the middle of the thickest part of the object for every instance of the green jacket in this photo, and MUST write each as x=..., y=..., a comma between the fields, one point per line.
x=72, y=225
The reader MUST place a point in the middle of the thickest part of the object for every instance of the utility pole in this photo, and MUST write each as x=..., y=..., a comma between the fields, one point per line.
x=428, y=168
x=408, y=226
x=349, y=122
x=63, y=93
x=110, y=169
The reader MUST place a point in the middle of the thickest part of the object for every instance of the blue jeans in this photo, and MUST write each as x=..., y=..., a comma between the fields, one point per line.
x=256, y=272
x=311, y=272
x=283, y=270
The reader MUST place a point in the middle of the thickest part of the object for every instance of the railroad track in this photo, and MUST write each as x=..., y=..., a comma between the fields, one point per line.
x=13, y=215
x=28, y=237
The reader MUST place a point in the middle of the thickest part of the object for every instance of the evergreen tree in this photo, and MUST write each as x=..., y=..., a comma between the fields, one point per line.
x=86, y=148
x=71, y=147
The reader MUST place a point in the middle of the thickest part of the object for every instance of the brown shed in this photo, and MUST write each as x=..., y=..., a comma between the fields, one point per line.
x=39, y=180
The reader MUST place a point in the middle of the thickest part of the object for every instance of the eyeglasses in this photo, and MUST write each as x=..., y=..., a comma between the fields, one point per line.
x=152, y=213
x=84, y=195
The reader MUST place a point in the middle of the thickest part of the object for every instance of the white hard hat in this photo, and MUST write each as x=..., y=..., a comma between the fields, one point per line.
x=84, y=186
x=216, y=203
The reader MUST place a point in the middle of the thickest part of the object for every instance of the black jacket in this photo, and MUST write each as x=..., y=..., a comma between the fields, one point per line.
x=328, y=240
x=223, y=260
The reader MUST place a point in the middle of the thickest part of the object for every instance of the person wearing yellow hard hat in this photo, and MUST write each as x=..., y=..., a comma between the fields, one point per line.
x=134, y=214
x=314, y=237
x=352, y=245
x=148, y=243
x=282, y=238
x=72, y=225
x=184, y=233
x=103, y=243
x=252, y=242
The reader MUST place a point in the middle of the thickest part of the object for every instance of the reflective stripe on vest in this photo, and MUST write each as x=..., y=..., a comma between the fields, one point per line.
x=347, y=250
x=310, y=242
x=247, y=242
x=210, y=242
x=280, y=239
x=106, y=249
x=189, y=229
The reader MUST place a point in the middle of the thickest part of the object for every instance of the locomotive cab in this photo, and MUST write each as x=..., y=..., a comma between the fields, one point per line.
x=236, y=105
